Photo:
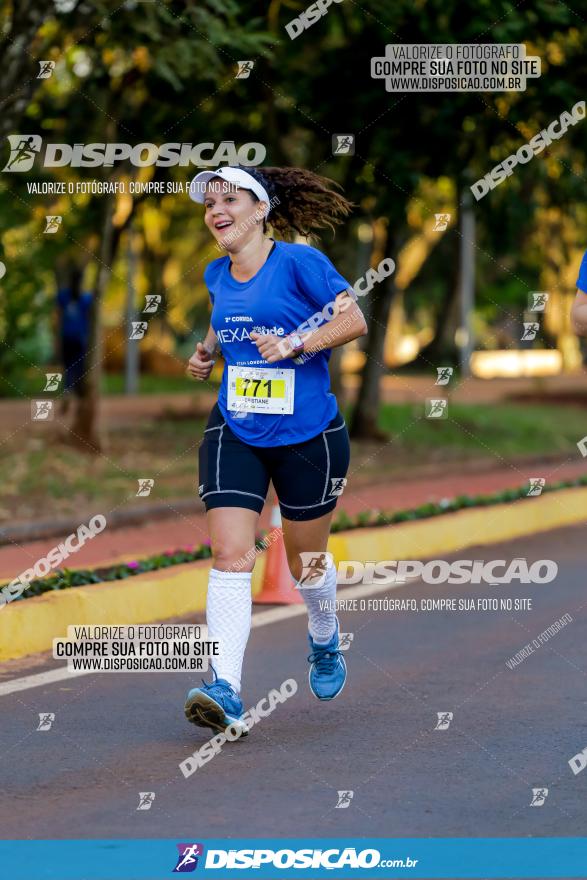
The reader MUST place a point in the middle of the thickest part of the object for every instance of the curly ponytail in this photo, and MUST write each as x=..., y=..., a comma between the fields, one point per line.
x=302, y=201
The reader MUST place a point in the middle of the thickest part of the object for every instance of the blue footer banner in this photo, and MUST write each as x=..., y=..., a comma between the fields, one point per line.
x=560, y=857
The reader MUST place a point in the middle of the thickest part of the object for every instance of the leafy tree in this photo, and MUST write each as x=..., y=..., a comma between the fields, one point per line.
x=165, y=71
x=125, y=78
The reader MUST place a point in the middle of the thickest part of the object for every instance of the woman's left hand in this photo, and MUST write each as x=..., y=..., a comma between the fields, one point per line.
x=272, y=348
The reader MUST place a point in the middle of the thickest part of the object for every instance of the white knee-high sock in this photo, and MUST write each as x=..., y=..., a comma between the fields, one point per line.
x=228, y=615
x=320, y=601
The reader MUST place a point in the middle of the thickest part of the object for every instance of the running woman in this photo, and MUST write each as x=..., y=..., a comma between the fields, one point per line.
x=276, y=418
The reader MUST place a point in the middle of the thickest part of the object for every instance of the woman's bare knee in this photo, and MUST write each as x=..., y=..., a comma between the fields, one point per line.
x=233, y=557
x=232, y=537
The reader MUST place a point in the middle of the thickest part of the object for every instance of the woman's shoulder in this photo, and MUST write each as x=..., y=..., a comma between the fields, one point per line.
x=213, y=269
x=294, y=248
x=301, y=253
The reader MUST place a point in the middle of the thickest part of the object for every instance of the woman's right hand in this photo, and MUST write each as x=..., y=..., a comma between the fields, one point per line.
x=201, y=362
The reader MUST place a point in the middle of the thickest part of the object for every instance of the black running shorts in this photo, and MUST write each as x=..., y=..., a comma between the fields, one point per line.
x=308, y=477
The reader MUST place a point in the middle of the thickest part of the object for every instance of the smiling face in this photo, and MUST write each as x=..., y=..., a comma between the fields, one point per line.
x=232, y=215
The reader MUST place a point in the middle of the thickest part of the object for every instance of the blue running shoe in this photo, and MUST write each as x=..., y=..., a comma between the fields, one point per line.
x=328, y=670
x=216, y=705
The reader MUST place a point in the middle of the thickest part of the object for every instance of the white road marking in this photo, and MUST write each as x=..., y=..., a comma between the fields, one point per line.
x=263, y=618
x=31, y=681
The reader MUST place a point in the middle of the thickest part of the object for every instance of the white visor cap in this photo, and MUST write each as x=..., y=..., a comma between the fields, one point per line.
x=237, y=176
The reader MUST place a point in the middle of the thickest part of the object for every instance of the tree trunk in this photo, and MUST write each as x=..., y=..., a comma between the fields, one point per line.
x=441, y=350
x=366, y=411
x=335, y=371
x=132, y=353
x=85, y=429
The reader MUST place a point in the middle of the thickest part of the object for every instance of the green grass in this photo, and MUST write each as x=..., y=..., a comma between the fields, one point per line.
x=40, y=479
x=507, y=429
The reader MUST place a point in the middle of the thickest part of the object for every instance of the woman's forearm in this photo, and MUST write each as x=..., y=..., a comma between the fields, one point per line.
x=347, y=325
x=579, y=321
x=210, y=340
x=579, y=318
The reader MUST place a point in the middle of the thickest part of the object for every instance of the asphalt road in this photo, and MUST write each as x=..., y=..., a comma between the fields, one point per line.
x=116, y=735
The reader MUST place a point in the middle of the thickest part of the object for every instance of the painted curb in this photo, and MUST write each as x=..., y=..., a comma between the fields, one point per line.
x=29, y=627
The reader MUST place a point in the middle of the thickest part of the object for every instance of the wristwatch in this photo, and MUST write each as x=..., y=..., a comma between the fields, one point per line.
x=296, y=342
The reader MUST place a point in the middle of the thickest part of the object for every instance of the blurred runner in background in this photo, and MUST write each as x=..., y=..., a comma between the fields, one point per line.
x=74, y=307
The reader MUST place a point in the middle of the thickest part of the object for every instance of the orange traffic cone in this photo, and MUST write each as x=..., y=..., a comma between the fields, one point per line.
x=278, y=585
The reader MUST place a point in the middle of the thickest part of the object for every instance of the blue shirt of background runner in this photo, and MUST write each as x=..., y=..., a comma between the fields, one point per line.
x=75, y=315
x=582, y=279
x=294, y=283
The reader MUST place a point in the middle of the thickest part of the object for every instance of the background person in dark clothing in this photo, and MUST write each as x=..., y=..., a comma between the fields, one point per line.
x=74, y=328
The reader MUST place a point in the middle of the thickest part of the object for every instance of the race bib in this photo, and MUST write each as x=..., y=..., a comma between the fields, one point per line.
x=259, y=390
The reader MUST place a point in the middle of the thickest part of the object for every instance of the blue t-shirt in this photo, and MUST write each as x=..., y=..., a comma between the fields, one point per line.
x=582, y=279
x=75, y=315
x=295, y=282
